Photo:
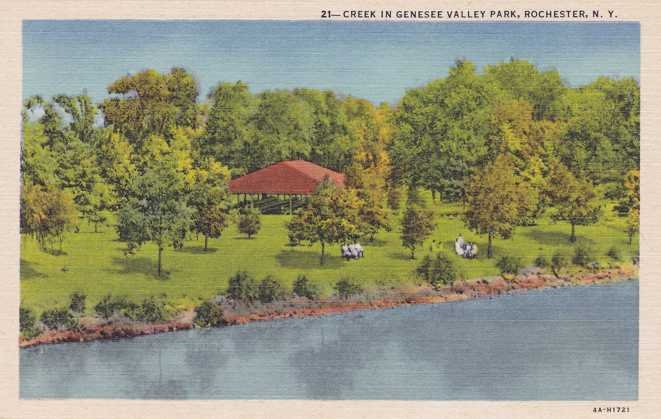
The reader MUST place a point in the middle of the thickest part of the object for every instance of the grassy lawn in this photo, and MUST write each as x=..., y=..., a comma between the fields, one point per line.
x=94, y=262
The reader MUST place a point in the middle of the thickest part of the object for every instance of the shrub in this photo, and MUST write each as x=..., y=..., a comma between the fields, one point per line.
x=558, y=263
x=582, y=255
x=151, y=310
x=109, y=306
x=541, y=262
x=346, y=287
x=304, y=288
x=57, y=318
x=249, y=222
x=77, y=302
x=438, y=271
x=509, y=265
x=614, y=253
x=209, y=314
x=27, y=322
x=243, y=287
x=271, y=290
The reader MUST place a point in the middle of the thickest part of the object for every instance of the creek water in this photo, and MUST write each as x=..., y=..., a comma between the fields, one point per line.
x=573, y=343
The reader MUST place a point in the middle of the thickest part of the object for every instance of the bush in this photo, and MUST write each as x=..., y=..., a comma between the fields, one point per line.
x=243, y=287
x=438, y=271
x=582, y=255
x=614, y=253
x=558, y=263
x=77, y=304
x=541, y=262
x=509, y=265
x=27, y=322
x=151, y=310
x=304, y=288
x=57, y=318
x=346, y=287
x=209, y=314
x=108, y=306
x=271, y=290
x=249, y=222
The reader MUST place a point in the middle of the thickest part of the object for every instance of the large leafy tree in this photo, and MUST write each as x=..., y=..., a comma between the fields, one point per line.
x=227, y=127
x=209, y=199
x=370, y=131
x=155, y=211
x=283, y=127
x=496, y=199
x=574, y=199
x=151, y=103
x=443, y=130
x=331, y=216
x=46, y=213
x=331, y=145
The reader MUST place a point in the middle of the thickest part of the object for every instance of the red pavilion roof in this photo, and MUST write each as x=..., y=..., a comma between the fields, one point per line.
x=286, y=177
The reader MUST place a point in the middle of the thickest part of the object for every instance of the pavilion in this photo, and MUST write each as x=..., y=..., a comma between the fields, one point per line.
x=287, y=179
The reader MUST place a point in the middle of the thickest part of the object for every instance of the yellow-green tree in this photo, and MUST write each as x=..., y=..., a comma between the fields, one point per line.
x=331, y=216
x=495, y=200
x=574, y=200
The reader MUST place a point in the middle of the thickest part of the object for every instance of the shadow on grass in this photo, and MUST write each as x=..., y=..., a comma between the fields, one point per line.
x=555, y=237
x=375, y=243
x=140, y=265
x=27, y=271
x=404, y=255
x=197, y=250
x=307, y=260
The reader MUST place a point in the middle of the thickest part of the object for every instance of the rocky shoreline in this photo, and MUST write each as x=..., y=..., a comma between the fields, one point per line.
x=301, y=307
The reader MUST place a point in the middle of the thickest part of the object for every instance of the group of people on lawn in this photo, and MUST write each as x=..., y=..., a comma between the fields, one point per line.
x=352, y=251
x=463, y=248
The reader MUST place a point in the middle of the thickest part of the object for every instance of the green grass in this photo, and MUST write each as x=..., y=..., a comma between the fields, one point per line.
x=94, y=262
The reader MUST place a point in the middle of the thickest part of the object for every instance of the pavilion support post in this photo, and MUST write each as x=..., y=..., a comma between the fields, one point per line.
x=290, y=206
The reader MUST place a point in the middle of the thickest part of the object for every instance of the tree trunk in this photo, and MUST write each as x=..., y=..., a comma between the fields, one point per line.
x=206, y=242
x=160, y=251
x=572, y=238
x=490, y=246
x=413, y=253
x=323, y=252
x=96, y=225
x=630, y=238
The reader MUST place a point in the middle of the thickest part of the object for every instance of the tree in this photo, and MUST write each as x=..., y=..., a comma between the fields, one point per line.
x=370, y=131
x=209, y=199
x=331, y=216
x=442, y=131
x=46, y=213
x=227, y=128
x=151, y=103
x=156, y=211
x=574, y=200
x=496, y=199
x=282, y=130
x=249, y=221
x=417, y=225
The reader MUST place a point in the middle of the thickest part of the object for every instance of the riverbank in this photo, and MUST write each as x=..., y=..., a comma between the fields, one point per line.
x=93, y=329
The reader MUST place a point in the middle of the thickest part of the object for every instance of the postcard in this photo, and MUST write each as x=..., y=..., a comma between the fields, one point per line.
x=337, y=210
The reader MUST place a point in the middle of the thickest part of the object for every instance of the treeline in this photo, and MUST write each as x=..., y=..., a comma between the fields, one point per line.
x=160, y=158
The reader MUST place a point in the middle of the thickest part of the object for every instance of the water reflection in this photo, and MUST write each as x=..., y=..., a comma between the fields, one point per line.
x=573, y=343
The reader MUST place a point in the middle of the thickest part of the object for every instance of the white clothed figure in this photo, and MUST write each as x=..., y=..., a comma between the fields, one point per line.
x=459, y=246
x=359, y=248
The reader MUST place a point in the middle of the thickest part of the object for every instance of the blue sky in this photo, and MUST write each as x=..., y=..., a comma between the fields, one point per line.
x=374, y=60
